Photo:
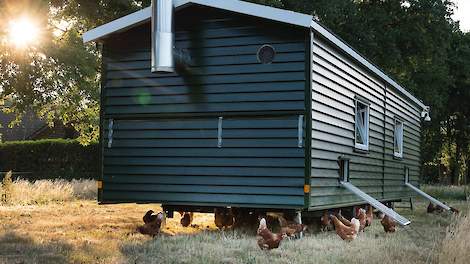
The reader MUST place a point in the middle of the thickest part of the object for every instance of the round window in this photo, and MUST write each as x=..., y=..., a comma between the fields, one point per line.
x=266, y=54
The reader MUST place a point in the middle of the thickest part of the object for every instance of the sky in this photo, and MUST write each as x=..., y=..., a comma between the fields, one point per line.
x=462, y=13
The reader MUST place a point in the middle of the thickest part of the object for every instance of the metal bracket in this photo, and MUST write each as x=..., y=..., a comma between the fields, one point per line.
x=300, y=135
x=219, y=132
x=343, y=169
x=110, y=133
x=407, y=175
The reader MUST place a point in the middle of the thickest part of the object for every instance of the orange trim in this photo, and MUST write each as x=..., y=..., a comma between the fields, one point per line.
x=100, y=184
x=306, y=188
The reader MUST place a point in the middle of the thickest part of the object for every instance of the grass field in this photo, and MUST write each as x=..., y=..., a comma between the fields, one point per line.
x=71, y=228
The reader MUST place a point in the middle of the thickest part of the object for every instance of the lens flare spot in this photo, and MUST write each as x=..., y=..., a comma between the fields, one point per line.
x=144, y=97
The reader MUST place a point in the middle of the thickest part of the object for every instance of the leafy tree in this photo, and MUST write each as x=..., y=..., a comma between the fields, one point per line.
x=458, y=122
x=416, y=41
x=58, y=77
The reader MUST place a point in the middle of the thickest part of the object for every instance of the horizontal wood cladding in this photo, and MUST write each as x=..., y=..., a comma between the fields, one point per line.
x=399, y=108
x=223, y=75
x=336, y=81
x=259, y=163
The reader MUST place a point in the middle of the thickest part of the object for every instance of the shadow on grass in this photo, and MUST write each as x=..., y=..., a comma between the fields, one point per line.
x=206, y=246
x=16, y=248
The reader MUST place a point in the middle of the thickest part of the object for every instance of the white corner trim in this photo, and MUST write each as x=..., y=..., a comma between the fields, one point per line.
x=351, y=52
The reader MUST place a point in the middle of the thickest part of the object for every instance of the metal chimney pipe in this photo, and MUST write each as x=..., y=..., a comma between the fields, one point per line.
x=162, y=36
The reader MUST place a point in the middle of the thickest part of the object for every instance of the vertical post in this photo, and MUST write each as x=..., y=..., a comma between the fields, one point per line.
x=407, y=180
x=343, y=169
x=219, y=132
x=104, y=69
x=298, y=220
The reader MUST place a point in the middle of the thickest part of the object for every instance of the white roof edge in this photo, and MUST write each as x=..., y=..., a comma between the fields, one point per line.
x=267, y=12
x=271, y=13
x=343, y=46
x=118, y=25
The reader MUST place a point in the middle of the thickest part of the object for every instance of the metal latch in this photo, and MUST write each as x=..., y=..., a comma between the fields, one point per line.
x=219, y=132
x=110, y=132
x=300, y=129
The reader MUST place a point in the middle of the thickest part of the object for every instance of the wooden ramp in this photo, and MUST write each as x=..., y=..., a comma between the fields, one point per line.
x=376, y=204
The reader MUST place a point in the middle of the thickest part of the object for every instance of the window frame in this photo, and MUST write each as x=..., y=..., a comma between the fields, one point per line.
x=361, y=146
x=396, y=121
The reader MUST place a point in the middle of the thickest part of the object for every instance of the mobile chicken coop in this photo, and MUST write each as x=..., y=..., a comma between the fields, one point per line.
x=211, y=104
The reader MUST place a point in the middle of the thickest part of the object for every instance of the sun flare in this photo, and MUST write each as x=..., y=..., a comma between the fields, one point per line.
x=23, y=32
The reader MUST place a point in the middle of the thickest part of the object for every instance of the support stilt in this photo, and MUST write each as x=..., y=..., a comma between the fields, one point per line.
x=298, y=220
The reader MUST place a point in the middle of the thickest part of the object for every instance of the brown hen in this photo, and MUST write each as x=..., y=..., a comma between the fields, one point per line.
x=149, y=217
x=369, y=215
x=224, y=218
x=266, y=239
x=325, y=221
x=290, y=228
x=343, y=220
x=152, y=228
x=431, y=208
x=347, y=233
x=362, y=217
x=454, y=210
x=388, y=223
x=186, y=219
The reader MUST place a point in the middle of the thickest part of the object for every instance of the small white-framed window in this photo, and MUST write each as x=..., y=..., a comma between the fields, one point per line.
x=398, y=139
x=361, y=135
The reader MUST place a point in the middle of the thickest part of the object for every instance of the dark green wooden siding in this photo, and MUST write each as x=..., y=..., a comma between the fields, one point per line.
x=399, y=108
x=225, y=75
x=336, y=81
x=165, y=125
x=178, y=160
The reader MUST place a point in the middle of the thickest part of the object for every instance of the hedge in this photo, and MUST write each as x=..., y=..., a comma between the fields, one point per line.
x=50, y=159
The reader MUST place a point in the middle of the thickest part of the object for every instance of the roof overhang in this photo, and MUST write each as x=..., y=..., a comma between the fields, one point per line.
x=241, y=7
x=261, y=11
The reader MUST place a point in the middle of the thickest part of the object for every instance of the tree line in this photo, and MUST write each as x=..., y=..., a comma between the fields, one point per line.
x=415, y=41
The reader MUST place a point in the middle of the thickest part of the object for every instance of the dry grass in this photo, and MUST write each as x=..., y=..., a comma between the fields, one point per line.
x=84, y=232
x=23, y=192
x=456, y=245
x=80, y=231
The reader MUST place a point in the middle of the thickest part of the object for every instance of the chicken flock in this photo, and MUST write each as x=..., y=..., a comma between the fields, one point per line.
x=347, y=230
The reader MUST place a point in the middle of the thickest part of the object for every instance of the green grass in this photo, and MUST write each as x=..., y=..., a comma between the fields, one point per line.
x=460, y=193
